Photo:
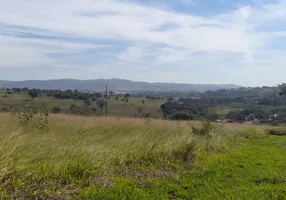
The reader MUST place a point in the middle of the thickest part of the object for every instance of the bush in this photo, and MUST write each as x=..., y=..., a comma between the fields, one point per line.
x=181, y=116
x=4, y=109
x=147, y=115
x=82, y=110
x=56, y=109
x=33, y=118
x=278, y=132
x=205, y=130
x=87, y=102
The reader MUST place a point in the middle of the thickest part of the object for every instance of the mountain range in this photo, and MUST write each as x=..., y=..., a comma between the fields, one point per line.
x=113, y=84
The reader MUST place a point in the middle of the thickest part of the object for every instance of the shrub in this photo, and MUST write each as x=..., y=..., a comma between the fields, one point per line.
x=72, y=107
x=56, y=109
x=147, y=115
x=181, y=116
x=204, y=131
x=278, y=132
x=82, y=110
x=33, y=118
x=139, y=110
x=4, y=109
x=87, y=102
x=33, y=93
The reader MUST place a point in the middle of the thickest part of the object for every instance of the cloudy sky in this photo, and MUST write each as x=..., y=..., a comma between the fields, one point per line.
x=193, y=41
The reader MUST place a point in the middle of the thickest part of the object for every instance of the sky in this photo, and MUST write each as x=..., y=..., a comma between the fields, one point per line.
x=180, y=41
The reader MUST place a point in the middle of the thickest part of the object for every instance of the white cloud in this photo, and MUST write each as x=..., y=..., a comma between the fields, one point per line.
x=108, y=22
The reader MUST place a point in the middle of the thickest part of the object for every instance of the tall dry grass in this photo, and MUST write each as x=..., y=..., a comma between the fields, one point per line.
x=76, y=147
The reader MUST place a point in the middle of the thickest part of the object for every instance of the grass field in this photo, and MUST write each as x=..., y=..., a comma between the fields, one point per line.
x=132, y=158
x=115, y=107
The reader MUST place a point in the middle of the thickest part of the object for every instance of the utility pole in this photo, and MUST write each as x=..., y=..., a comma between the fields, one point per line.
x=106, y=101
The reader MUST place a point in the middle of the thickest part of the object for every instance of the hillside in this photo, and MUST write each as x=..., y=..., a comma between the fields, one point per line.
x=118, y=84
x=85, y=158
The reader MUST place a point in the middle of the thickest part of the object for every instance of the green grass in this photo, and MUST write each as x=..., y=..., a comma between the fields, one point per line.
x=129, y=158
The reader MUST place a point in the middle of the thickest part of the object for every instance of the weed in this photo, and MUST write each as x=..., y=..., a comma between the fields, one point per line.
x=204, y=132
x=187, y=153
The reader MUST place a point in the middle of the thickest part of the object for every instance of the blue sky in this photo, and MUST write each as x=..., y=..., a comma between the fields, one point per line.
x=192, y=41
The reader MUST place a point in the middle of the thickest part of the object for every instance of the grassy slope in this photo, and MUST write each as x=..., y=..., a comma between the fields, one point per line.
x=256, y=171
x=121, y=158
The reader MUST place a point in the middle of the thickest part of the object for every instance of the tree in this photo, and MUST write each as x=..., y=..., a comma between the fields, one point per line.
x=282, y=91
x=143, y=101
x=139, y=110
x=56, y=109
x=111, y=92
x=87, y=102
x=212, y=116
x=72, y=107
x=126, y=96
x=100, y=103
x=116, y=98
x=33, y=93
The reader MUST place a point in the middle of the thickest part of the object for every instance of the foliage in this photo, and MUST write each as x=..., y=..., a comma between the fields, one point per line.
x=204, y=131
x=107, y=158
x=126, y=96
x=139, y=110
x=33, y=93
x=278, y=132
x=212, y=116
x=184, y=110
x=87, y=102
x=181, y=116
x=33, y=118
x=187, y=153
x=82, y=110
x=56, y=109
x=100, y=103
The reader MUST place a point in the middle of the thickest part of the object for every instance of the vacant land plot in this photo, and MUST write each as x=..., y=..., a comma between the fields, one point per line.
x=127, y=158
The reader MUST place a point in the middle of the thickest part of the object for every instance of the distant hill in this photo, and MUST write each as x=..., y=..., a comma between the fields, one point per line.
x=115, y=84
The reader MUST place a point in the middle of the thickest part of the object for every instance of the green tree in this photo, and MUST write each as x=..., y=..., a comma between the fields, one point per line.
x=139, y=110
x=33, y=93
x=56, y=109
x=100, y=103
x=212, y=116
x=126, y=96
x=87, y=102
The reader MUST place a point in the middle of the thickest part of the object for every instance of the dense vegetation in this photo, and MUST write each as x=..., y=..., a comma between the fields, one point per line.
x=264, y=105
